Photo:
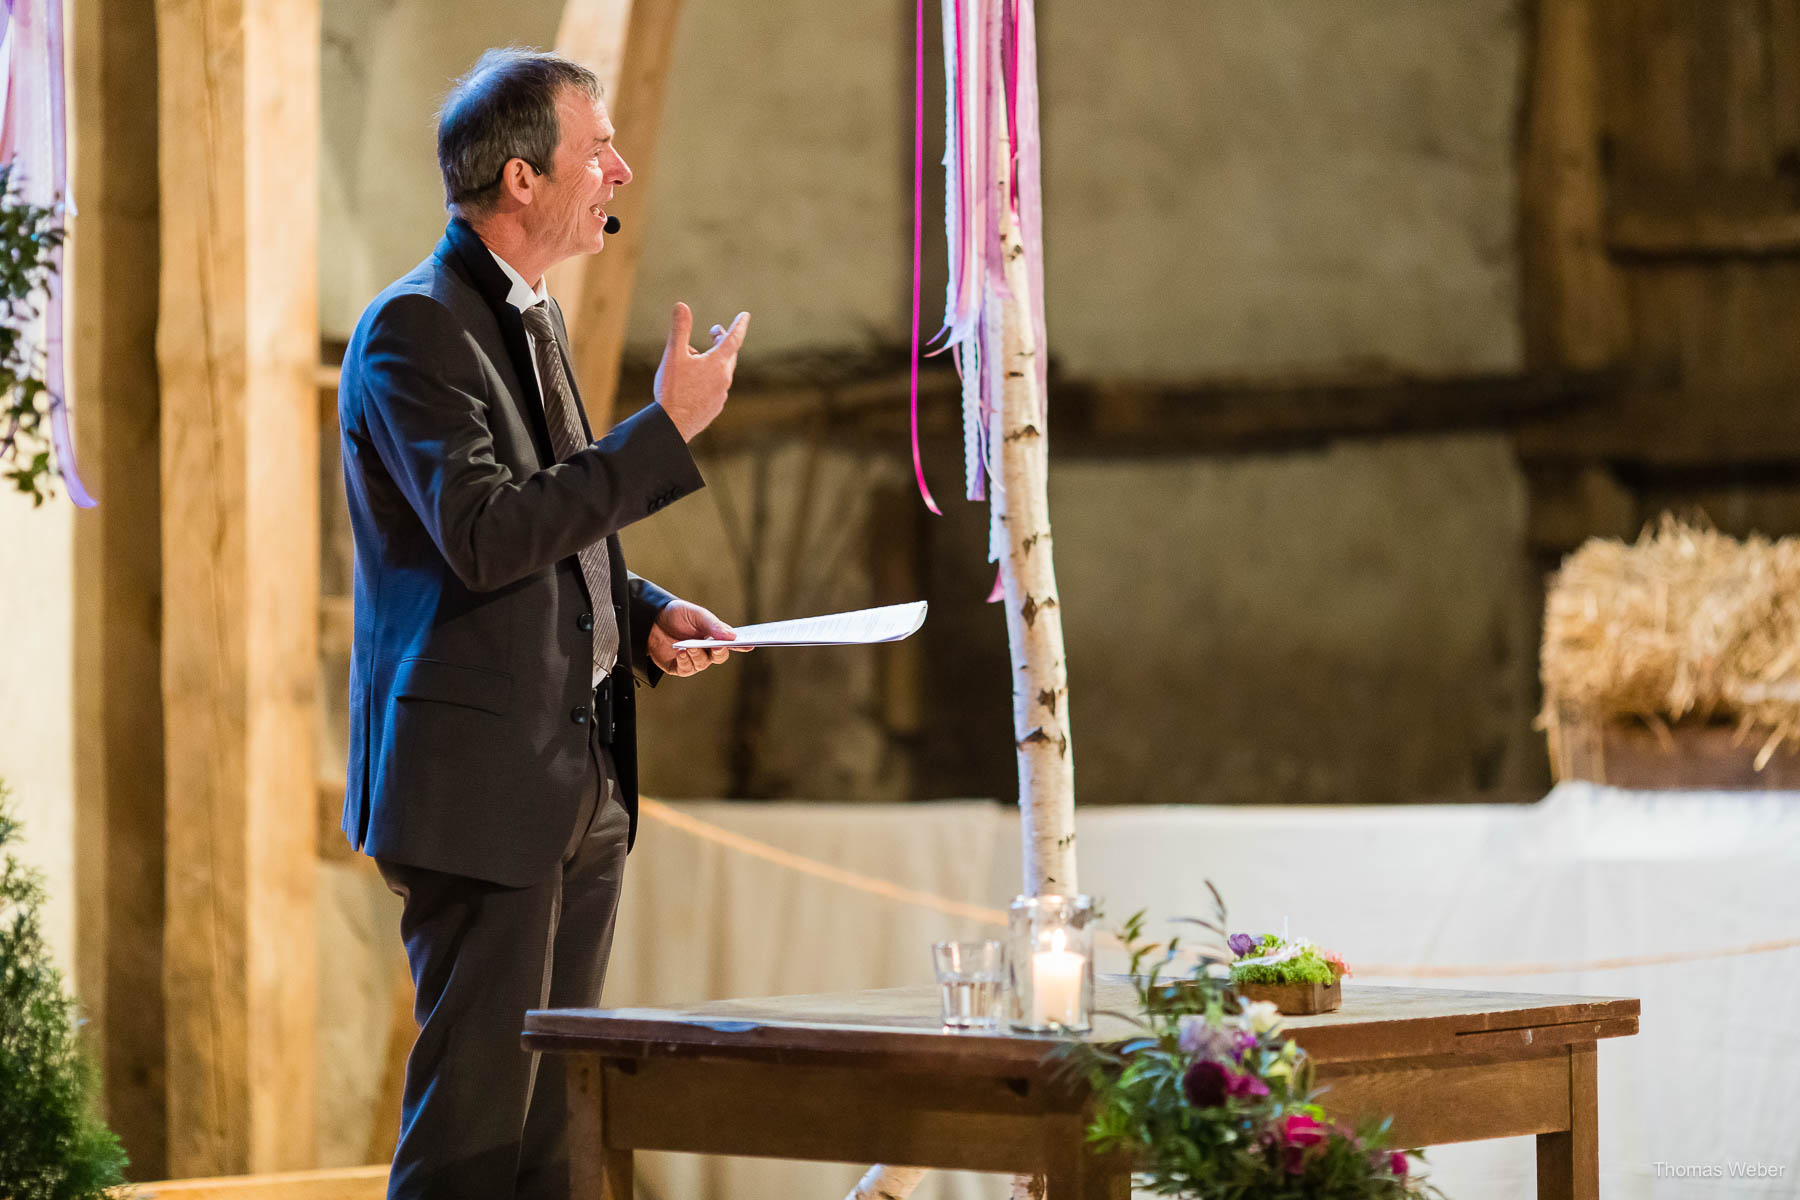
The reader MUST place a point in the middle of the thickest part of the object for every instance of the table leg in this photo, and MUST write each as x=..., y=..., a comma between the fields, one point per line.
x=1568, y=1163
x=596, y=1171
x=1077, y=1174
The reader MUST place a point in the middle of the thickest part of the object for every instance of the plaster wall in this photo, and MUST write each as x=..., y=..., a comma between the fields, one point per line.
x=1305, y=184
x=1342, y=626
x=37, y=701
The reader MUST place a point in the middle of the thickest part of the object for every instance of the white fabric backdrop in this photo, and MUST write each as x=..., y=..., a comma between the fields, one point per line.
x=1588, y=873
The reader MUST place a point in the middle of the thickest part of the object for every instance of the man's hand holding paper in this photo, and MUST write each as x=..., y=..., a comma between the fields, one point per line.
x=890, y=623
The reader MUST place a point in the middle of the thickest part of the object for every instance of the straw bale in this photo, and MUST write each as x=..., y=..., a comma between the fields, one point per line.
x=1686, y=624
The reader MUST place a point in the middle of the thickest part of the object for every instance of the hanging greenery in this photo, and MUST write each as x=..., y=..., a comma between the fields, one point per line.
x=53, y=1145
x=30, y=236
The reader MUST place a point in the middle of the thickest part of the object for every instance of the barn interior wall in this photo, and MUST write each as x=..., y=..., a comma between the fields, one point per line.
x=1318, y=187
x=37, y=707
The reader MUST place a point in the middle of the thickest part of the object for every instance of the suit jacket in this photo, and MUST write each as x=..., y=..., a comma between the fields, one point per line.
x=471, y=667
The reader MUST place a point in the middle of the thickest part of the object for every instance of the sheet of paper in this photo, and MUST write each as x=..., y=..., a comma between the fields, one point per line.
x=890, y=623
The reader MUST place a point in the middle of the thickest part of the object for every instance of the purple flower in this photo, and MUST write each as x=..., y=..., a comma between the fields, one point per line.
x=1243, y=1042
x=1205, y=1084
x=1242, y=944
x=1204, y=1040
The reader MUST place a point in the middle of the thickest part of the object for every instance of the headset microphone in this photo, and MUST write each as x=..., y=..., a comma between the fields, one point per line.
x=612, y=224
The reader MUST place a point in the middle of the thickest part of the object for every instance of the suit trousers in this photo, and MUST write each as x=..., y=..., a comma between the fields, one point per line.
x=482, y=1118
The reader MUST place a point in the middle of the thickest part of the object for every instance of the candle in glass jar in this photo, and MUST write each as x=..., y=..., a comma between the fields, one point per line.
x=1056, y=976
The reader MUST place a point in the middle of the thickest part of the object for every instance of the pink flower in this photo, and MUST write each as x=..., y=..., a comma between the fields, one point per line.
x=1337, y=960
x=1397, y=1164
x=1298, y=1129
x=1299, y=1133
x=1242, y=1083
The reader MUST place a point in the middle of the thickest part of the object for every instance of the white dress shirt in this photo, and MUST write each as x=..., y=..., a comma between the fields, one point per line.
x=522, y=297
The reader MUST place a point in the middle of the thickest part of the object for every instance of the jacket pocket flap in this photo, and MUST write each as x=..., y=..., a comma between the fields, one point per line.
x=471, y=687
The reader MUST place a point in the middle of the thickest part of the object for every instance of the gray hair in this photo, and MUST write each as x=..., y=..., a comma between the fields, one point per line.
x=504, y=108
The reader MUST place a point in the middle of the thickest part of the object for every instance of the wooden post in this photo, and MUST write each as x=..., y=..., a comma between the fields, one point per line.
x=237, y=349
x=592, y=32
x=1574, y=311
x=596, y=289
x=118, y=564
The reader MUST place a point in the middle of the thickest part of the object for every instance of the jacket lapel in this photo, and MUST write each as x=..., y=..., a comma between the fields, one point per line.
x=463, y=247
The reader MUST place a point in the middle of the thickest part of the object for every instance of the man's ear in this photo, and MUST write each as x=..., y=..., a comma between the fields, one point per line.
x=518, y=181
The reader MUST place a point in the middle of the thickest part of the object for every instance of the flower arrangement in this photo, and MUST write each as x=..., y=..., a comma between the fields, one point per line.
x=1213, y=1100
x=1296, y=976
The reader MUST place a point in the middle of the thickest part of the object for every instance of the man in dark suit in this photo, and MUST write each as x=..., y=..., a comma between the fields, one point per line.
x=493, y=771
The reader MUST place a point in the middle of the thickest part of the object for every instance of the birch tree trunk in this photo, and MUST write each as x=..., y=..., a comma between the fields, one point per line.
x=1019, y=503
x=888, y=1183
x=1021, y=508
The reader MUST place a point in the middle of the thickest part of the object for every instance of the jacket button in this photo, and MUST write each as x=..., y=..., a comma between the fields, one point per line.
x=585, y=622
x=579, y=714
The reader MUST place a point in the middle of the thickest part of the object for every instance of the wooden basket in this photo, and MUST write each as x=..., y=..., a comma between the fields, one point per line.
x=1638, y=756
x=1295, y=999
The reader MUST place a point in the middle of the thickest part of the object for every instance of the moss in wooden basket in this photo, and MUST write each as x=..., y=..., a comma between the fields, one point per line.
x=1270, y=960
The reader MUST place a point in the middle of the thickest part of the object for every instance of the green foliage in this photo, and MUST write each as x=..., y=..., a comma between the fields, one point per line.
x=29, y=238
x=1211, y=1100
x=52, y=1144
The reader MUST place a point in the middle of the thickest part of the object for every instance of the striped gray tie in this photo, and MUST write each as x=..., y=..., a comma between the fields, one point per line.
x=566, y=438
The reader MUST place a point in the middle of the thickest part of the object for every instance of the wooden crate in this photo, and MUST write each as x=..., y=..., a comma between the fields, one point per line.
x=1637, y=755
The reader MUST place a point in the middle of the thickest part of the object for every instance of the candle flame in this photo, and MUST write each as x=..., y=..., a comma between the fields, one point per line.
x=1058, y=940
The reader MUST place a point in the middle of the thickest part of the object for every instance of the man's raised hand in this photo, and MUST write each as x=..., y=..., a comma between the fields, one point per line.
x=692, y=386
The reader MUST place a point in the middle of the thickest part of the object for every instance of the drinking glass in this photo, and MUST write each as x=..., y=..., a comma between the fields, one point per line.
x=971, y=980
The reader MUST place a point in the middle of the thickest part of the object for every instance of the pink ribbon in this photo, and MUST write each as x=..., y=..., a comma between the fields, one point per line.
x=918, y=238
x=33, y=135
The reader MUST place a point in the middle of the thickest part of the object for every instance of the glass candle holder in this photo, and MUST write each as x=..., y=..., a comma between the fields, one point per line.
x=1051, y=963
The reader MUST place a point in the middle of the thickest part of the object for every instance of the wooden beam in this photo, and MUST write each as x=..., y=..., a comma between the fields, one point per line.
x=341, y=1183
x=1697, y=232
x=1126, y=418
x=118, y=564
x=592, y=32
x=595, y=291
x=237, y=351
x=1574, y=312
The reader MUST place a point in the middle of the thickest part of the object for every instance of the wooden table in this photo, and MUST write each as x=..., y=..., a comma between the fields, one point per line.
x=870, y=1077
